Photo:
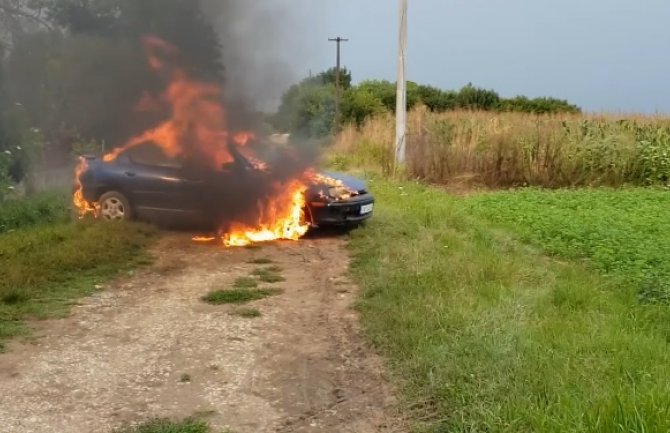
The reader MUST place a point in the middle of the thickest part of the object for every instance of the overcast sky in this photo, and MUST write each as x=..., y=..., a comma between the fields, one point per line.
x=611, y=55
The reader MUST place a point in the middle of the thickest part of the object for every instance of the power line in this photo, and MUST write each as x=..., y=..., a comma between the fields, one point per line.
x=338, y=93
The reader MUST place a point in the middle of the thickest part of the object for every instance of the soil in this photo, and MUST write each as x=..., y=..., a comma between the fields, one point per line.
x=147, y=346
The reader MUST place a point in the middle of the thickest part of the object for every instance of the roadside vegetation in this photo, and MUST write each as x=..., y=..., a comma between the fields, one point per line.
x=168, y=426
x=238, y=296
x=50, y=207
x=514, y=149
x=485, y=332
x=47, y=262
x=245, y=289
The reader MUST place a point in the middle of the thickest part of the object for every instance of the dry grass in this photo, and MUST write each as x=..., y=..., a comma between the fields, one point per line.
x=513, y=149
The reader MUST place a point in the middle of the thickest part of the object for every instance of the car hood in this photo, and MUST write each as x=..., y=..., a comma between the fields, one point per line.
x=349, y=181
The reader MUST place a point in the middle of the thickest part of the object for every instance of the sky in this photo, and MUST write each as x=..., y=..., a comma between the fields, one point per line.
x=603, y=55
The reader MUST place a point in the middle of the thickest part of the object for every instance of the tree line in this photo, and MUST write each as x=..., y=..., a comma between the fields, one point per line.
x=309, y=106
x=72, y=72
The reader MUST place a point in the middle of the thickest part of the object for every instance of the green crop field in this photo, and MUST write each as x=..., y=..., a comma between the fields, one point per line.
x=621, y=233
x=486, y=332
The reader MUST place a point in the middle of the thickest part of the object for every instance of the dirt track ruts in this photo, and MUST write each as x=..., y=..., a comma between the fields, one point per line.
x=123, y=354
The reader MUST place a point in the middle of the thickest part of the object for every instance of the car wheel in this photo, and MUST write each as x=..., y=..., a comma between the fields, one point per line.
x=114, y=206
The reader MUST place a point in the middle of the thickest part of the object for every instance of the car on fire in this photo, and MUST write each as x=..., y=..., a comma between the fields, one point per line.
x=143, y=183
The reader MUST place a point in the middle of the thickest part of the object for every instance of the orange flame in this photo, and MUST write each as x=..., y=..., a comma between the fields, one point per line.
x=82, y=206
x=282, y=218
x=198, y=118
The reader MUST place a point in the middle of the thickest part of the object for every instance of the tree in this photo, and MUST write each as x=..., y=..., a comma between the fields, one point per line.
x=361, y=104
x=475, y=98
x=329, y=77
x=180, y=22
x=437, y=100
x=307, y=108
x=19, y=17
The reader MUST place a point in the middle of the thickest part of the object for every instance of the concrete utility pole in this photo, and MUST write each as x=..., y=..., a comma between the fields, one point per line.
x=401, y=102
x=338, y=93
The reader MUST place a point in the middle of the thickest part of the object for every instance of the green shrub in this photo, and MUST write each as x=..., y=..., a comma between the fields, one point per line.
x=41, y=209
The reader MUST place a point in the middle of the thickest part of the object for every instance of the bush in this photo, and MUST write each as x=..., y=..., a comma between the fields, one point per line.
x=41, y=209
x=523, y=104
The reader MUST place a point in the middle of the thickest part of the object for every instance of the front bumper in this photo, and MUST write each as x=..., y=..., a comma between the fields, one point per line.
x=348, y=212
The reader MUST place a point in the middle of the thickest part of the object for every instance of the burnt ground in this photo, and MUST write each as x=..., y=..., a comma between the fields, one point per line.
x=147, y=346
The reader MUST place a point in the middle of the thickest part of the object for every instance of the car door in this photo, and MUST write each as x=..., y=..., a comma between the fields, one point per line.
x=155, y=182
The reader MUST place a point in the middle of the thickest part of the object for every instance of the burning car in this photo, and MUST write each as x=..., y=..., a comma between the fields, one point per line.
x=197, y=166
x=144, y=183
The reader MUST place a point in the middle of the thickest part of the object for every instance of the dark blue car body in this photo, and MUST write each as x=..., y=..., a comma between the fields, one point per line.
x=161, y=190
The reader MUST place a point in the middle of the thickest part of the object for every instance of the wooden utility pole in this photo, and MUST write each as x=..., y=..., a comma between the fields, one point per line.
x=338, y=93
x=401, y=101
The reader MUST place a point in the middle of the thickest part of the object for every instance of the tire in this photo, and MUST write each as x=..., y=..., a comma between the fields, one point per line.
x=114, y=206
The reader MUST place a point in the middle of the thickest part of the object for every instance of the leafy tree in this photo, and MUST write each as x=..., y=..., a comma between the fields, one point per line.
x=359, y=105
x=475, y=98
x=538, y=105
x=307, y=109
x=329, y=77
x=437, y=99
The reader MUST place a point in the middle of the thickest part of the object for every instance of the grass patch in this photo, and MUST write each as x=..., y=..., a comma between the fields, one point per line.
x=238, y=296
x=486, y=334
x=190, y=425
x=46, y=267
x=621, y=233
x=245, y=283
x=247, y=313
x=261, y=261
x=46, y=208
x=269, y=274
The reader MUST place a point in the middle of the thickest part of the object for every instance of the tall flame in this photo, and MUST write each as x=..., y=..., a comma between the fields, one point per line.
x=82, y=206
x=282, y=218
x=197, y=128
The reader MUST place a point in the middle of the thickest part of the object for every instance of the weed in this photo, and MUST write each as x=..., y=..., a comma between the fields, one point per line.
x=238, y=296
x=190, y=425
x=247, y=313
x=184, y=378
x=245, y=283
x=204, y=414
x=261, y=261
x=269, y=274
x=47, y=208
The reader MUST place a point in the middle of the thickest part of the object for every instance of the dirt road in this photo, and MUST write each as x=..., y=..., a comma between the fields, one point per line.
x=147, y=346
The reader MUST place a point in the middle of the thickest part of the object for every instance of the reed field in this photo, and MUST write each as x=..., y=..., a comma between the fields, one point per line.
x=515, y=149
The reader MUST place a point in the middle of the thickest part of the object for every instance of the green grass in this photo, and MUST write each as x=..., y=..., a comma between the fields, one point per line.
x=245, y=283
x=261, y=261
x=46, y=267
x=247, y=313
x=622, y=233
x=486, y=334
x=190, y=425
x=269, y=274
x=238, y=296
x=47, y=208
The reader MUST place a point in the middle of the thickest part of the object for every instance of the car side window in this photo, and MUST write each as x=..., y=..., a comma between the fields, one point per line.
x=152, y=155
